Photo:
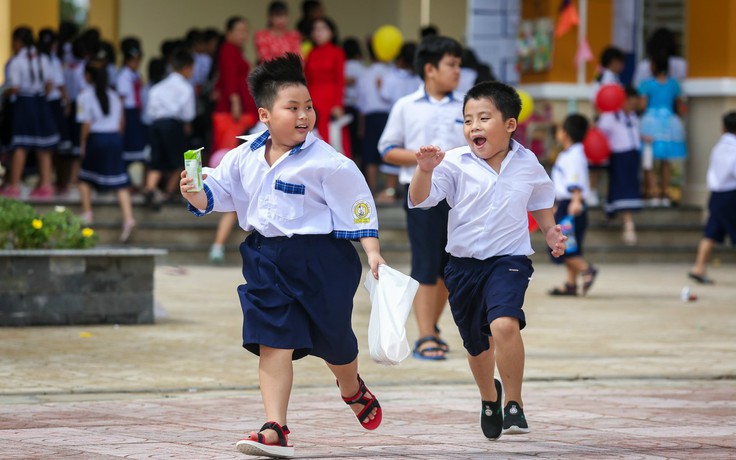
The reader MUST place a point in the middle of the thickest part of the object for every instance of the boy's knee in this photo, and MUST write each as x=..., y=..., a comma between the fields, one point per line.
x=504, y=328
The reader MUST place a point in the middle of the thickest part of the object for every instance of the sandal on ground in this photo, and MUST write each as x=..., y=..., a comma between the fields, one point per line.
x=445, y=347
x=568, y=290
x=369, y=402
x=701, y=279
x=424, y=352
x=589, y=276
x=257, y=445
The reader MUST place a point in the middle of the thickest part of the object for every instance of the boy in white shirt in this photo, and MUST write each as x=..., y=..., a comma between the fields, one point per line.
x=490, y=184
x=572, y=186
x=722, y=204
x=303, y=202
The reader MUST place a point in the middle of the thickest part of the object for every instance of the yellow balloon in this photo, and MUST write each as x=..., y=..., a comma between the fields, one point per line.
x=387, y=43
x=527, y=106
x=306, y=49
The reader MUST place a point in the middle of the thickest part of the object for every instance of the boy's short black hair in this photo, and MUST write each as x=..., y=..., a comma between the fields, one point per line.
x=432, y=49
x=278, y=8
x=576, y=126
x=266, y=80
x=504, y=97
x=631, y=91
x=156, y=70
x=181, y=58
x=611, y=54
x=351, y=47
x=429, y=31
x=729, y=122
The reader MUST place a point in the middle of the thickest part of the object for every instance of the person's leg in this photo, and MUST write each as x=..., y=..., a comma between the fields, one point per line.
x=665, y=169
x=483, y=367
x=153, y=177
x=371, y=176
x=629, y=233
x=17, y=165
x=509, y=353
x=224, y=228
x=275, y=375
x=45, y=168
x=425, y=311
x=347, y=381
x=703, y=256
x=126, y=208
x=85, y=195
x=440, y=300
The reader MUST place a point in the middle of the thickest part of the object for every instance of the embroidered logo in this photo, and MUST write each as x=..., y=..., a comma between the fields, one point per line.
x=513, y=410
x=361, y=212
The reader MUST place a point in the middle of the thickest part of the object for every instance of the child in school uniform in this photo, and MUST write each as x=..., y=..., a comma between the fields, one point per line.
x=490, y=183
x=171, y=108
x=100, y=112
x=28, y=76
x=570, y=176
x=621, y=128
x=430, y=115
x=303, y=202
x=722, y=203
x=129, y=87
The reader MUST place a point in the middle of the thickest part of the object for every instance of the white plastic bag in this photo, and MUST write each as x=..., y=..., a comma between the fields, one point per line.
x=391, y=295
x=335, y=131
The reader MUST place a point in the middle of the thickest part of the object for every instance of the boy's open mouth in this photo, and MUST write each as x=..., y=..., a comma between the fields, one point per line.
x=479, y=141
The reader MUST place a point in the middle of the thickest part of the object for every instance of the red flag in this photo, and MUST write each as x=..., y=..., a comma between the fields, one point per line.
x=568, y=18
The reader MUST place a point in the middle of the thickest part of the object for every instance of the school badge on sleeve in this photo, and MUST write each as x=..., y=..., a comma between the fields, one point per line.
x=361, y=212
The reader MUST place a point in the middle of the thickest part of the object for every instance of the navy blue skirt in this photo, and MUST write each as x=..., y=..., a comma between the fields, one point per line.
x=299, y=295
x=103, y=165
x=581, y=226
x=624, y=190
x=134, y=139
x=33, y=124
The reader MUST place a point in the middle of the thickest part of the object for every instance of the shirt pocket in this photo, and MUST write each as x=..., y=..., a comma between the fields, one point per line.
x=514, y=199
x=289, y=200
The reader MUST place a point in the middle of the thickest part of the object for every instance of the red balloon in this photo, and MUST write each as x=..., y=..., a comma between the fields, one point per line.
x=596, y=147
x=610, y=98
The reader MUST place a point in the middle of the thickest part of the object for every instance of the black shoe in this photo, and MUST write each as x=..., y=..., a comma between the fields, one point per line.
x=491, y=416
x=514, y=421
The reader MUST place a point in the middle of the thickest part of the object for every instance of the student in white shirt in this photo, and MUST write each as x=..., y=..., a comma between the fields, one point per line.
x=490, y=184
x=129, y=86
x=572, y=187
x=722, y=204
x=303, y=202
x=171, y=108
x=100, y=112
x=432, y=115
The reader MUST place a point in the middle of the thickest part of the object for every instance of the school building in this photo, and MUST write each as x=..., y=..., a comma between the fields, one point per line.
x=555, y=71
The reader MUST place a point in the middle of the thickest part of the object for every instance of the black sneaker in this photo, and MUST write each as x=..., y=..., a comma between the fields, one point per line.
x=491, y=416
x=514, y=421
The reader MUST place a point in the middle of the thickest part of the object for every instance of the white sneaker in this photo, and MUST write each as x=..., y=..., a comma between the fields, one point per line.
x=217, y=254
x=593, y=199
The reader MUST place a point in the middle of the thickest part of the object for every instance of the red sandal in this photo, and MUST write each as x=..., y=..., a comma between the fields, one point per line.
x=258, y=446
x=370, y=404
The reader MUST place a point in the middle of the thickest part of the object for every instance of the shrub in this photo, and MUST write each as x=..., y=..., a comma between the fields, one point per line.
x=21, y=227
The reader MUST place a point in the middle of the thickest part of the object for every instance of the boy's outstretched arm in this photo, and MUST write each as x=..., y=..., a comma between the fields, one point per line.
x=199, y=199
x=372, y=249
x=552, y=232
x=428, y=157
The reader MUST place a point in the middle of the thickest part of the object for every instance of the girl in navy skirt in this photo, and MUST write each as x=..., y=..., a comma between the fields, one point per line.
x=129, y=87
x=28, y=77
x=624, y=194
x=100, y=112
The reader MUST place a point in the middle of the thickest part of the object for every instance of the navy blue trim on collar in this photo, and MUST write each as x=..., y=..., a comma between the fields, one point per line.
x=261, y=140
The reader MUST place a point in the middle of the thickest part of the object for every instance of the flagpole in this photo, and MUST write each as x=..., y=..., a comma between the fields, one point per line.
x=582, y=32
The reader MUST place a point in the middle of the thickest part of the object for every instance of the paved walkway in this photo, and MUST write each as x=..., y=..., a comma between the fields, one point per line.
x=628, y=372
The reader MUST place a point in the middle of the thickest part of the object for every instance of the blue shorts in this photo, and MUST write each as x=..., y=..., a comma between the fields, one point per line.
x=299, y=295
x=483, y=290
x=427, y=229
x=374, y=125
x=168, y=144
x=721, y=217
x=581, y=226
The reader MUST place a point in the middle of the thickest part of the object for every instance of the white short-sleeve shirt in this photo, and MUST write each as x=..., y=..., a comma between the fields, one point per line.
x=570, y=172
x=56, y=77
x=369, y=90
x=90, y=111
x=353, y=70
x=621, y=130
x=722, y=168
x=126, y=87
x=312, y=190
x=417, y=119
x=399, y=83
x=28, y=71
x=488, y=215
x=172, y=97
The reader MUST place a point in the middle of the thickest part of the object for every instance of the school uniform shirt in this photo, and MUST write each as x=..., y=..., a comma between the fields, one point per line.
x=722, y=168
x=488, y=215
x=399, y=83
x=621, y=130
x=173, y=97
x=418, y=119
x=570, y=172
x=74, y=78
x=353, y=71
x=56, y=76
x=128, y=86
x=369, y=90
x=28, y=71
x=201, y=71
x=90, y=111
x=311, y=190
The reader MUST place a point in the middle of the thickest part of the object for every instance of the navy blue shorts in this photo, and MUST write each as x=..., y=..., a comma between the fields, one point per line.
x=427, y=229
x=581, y=226
x=299, y=295
x=168, y=144
x=374, y=125
x=483, y=290
x=721, y=217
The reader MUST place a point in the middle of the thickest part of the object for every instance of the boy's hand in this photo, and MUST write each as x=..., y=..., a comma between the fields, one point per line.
x=556, y=241
x=428, y=157
x=185, y=184
x=374, y=260
x=575, y=208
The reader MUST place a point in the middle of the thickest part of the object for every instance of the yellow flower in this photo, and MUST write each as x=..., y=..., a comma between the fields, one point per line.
x=37, y=224
x=87, y=232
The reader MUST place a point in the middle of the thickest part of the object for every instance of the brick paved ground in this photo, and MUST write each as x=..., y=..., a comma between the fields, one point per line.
x=629, y=372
